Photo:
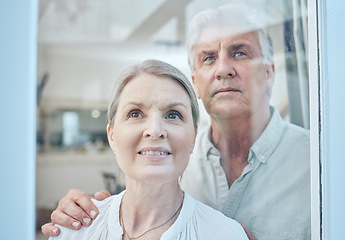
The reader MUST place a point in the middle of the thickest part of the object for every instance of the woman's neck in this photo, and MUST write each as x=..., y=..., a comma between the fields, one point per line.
x=146, y=206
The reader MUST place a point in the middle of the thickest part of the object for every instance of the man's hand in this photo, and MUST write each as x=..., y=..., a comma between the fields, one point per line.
x=74, y=210
x=249, y=234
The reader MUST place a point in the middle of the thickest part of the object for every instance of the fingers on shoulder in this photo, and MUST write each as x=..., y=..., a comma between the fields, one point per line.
x=78, y=205
x=68, y=221
x=101, y=195
x=49, y=230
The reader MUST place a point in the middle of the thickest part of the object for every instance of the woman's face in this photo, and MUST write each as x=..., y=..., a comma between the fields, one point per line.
x=153, y=133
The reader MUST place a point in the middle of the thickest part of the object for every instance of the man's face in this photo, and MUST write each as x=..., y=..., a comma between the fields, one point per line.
x=230, y=75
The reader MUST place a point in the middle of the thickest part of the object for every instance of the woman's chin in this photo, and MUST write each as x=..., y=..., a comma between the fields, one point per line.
x=157, y=177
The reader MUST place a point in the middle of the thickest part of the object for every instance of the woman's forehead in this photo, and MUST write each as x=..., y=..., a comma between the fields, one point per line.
x=149, y=87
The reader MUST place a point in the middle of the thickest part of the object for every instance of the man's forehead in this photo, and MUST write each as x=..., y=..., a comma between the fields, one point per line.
x=214, y=35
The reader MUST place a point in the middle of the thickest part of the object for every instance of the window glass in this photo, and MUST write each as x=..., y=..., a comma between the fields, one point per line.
x=83, y=44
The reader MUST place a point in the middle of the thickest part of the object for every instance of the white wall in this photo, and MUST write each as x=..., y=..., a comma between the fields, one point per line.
x=56, y=174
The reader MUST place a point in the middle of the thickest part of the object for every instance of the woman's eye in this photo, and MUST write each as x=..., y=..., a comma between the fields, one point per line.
x=173, y=115
x=135, y=114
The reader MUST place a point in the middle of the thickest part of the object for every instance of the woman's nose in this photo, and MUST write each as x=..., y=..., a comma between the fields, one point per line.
x=225, y=68
x=155, y=129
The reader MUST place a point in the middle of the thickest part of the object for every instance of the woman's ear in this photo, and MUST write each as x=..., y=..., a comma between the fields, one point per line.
x=111, y=137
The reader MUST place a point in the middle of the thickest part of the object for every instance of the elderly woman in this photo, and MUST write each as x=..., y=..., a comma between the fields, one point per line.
x=152, y=124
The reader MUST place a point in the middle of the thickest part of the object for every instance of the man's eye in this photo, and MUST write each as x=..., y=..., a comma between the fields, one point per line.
x=238, y=54
x=135, y=114
x=209, y=58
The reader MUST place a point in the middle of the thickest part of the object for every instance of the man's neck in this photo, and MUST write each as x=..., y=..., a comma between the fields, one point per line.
x=234, y=138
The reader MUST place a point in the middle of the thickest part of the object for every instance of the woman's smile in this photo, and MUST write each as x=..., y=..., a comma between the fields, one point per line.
x=154, y=151
x=155, y=154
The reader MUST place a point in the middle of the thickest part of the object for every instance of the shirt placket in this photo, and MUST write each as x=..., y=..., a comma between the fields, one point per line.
x=235, y=193
x=220, y=178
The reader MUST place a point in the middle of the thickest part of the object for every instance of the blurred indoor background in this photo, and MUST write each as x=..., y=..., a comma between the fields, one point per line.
x=82, y=44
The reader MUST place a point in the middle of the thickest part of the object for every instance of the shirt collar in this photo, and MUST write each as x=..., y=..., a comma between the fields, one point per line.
x=262, y=148
x=206, y=147
x=269, y=139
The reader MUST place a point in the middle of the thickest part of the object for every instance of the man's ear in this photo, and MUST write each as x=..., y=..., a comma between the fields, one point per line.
x=270, y=71
x=111, y=137
x=195, y=84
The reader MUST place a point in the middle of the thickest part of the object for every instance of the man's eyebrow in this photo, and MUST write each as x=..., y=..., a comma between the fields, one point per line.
x=238, y=46
x=207, y=52
x=204, y=53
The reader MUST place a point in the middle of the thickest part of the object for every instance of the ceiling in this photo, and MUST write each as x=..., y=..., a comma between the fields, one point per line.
x=82, y=43
x=123, y=21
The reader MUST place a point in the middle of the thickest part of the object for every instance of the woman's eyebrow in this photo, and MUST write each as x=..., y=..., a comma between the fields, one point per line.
x=170, y=105
x=132, y=103
x=175, y=104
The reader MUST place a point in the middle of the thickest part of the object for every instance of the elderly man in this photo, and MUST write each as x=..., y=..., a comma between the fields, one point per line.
x=247, y=162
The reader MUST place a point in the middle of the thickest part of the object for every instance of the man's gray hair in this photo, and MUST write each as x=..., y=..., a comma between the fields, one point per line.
x=227, y=16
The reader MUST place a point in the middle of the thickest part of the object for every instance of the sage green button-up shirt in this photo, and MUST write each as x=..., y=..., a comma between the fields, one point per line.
x=272, y=196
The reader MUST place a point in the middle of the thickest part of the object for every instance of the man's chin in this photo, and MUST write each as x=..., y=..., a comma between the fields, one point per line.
x=224, y=112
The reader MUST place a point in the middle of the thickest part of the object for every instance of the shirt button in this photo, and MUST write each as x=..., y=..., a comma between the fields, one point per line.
x=218, y=171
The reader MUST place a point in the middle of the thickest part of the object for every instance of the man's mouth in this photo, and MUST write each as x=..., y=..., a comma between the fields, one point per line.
x=222, y=90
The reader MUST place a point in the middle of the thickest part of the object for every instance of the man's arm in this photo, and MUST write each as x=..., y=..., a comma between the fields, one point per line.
x=74, y=210
x=248, y=232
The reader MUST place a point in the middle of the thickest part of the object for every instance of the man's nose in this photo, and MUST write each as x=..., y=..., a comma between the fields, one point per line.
x=225, y=67
x=155, y=128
